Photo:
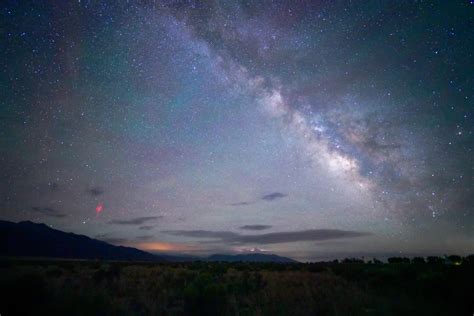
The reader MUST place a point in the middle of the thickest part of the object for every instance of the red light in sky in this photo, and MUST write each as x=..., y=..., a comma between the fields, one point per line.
x=99, y=208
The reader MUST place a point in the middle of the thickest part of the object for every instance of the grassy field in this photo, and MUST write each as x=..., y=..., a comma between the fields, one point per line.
x=97, y=288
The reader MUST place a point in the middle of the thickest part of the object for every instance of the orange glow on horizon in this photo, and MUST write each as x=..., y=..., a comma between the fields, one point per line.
x=163, y=246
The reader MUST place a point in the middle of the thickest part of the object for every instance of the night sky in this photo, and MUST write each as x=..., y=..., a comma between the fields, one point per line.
x=311, y=129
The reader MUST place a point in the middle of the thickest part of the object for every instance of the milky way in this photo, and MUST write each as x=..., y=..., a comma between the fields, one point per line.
x=310, y=129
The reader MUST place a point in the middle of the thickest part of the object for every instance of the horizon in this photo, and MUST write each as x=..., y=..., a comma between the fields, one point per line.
x=367, y=257
x=306, y=130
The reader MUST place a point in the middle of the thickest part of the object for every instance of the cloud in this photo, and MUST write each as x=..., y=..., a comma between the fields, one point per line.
x=241, y=203
x=203, y=234
x=304, y=235
x=251, y=249
x=267, y=197
x=95, y=191
x=255, y=227
x=144, y=237
x=273, y=196
x=270, y=238
x=48, y=211
x=146, y=227
x=135, y=221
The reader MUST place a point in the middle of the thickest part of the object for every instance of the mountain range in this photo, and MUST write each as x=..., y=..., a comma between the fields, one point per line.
x=28, y=239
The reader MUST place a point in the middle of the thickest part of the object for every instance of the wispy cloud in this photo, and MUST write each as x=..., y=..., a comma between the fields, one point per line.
x=144, y=237
x=95, y=191
x=255, y=227
x=270, y=238
x=241, y=203
x=135, y=221
x=273, y=196
x=48, y=211
x=267, y=197
x=146, y=227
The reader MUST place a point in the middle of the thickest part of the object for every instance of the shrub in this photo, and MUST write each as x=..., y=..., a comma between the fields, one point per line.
x=418, y=260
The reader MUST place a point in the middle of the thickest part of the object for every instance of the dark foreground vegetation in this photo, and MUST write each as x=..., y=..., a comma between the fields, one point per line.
x=351, y=287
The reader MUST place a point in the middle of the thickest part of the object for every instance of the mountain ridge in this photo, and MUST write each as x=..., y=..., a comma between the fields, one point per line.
x=29, y=239
x=38, y=240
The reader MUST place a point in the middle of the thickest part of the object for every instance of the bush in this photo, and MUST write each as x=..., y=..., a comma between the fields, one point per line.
x=434, y=260
x=398, y=260
x=418, y=260
x=323, y=288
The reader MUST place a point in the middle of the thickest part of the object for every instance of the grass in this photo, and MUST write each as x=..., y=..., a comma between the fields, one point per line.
x=35, y=287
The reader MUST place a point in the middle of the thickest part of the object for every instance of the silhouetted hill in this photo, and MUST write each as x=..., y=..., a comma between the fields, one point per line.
x=251, y=257
x=28, y=239
x=38, y=240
